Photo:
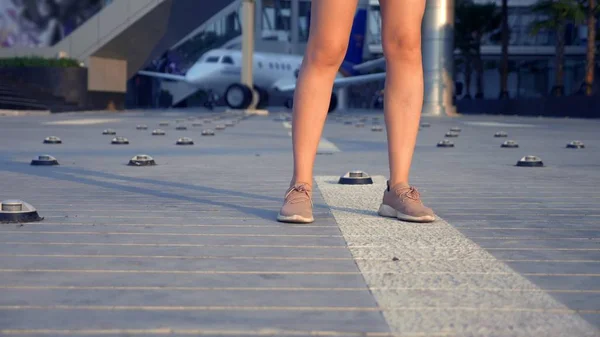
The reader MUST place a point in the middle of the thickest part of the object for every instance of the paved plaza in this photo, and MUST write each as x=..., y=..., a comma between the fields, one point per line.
x=191, y=246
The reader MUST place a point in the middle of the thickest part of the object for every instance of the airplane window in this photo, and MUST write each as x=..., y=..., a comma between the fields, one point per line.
x=212, y=59
x=289, y=67
x=277, y=66
x=227, y=59
x=270, y=65
x=259, y=64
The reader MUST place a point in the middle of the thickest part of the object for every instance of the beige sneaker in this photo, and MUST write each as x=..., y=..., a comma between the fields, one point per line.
x=404, y=202
x=297, y=206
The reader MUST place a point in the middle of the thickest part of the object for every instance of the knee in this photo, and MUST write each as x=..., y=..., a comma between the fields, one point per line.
x=326, y=54
x=404, y=47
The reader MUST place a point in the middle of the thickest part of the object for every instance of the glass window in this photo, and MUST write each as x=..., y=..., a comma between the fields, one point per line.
x=212, y=59
x=227, y=60
x=277, y=66
x=270, y=65
x=276, y=20
x=260, y=64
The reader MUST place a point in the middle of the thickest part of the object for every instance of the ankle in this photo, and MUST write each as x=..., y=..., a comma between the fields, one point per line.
x=299, y=182
x=397, y=184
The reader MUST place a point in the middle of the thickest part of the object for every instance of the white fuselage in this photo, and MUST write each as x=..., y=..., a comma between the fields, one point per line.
x=218, y=69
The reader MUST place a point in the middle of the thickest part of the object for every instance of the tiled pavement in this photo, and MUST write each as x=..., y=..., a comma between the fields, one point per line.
x=190, y=246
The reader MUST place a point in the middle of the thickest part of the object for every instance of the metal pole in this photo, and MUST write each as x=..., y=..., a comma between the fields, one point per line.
x=247, y=41
x=294, y=36
x=438, y=57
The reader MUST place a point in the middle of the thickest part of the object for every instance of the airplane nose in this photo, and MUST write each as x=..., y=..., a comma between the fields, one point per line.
x=201, y=72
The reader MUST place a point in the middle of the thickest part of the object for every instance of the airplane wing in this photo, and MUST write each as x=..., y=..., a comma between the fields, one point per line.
x=370, y=65
x=162, y=75
x=339, y=82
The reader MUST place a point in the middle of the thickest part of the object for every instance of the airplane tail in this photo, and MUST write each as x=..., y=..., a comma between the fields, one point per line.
x=356, y=44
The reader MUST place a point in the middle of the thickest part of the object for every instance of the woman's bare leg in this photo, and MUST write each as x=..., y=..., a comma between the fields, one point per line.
x=330, y=26
x=403, y=98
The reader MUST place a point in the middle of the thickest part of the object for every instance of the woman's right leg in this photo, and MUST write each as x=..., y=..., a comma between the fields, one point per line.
x=330, y=26
x=331, y=22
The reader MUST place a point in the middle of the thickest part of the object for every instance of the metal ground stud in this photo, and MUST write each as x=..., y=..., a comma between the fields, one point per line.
x=576, y=144
x=142, y=127
x=500, y=134
x=425, y=125
x=208, y=132
x=179, y=120
x=52, y=140
x=229, y=123
x=510, y=144
x=377, y=128
x=120, y=141
x=355, y=178
x=17, y=211
x=142, y=160
x=191, y=118
x=220, y=127
x=445, y=143
x=530, y=161
x=181, y=128
x=197, y=124
x=163, y=124
x=110, y=132
x=348, y=123
x=158, y=132
x=360, y=125
x=185, y=141
x=44, y=160
x=207, y=121
x=455, y=129
x=451, y=134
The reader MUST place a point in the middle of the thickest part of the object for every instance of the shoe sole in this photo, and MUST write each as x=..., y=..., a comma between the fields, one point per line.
x=390, y=212
x=294, y=219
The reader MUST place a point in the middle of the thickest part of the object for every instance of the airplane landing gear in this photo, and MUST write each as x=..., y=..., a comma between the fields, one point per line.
x=238, y=96
x=263, y=98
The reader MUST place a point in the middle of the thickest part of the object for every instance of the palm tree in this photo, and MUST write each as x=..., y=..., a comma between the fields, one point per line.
x=504, y=61
x=591, y=11
x=472, y=22
x=557, y=13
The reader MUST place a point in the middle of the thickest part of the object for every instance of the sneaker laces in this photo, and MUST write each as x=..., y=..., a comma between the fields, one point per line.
x=303, y=193
x=408, y=193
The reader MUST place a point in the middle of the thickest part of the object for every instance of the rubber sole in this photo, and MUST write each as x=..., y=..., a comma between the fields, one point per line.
x=294, y=219
x=390, y=212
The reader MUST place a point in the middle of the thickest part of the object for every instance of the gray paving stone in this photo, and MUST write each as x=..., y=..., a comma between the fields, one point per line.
x=189, y=244
x=541, y=226
x=251, y=319
x=473, y=310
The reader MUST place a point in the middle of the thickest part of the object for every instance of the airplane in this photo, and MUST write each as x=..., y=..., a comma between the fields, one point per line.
x=219, y=71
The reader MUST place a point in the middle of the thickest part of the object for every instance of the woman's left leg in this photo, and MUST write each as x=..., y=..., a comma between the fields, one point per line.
x=403, y=101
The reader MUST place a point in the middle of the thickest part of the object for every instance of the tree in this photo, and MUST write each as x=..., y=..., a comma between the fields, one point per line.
x=472, y=22
x=556, y=14
x=591, y=9
x=504, y=61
